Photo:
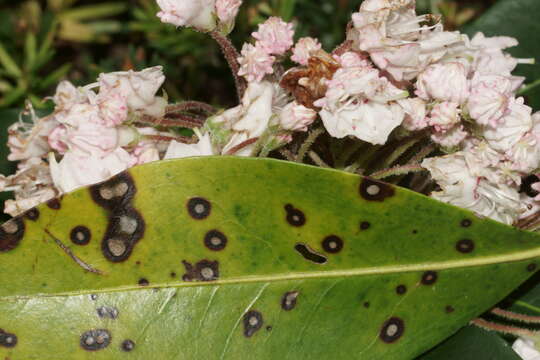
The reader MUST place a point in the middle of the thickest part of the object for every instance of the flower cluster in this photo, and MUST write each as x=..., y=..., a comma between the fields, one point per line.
x=397, y=74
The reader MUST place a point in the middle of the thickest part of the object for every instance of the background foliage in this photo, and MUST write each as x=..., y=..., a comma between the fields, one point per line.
x=42, y=42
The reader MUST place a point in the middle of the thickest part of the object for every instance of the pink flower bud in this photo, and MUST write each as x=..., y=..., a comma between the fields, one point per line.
x=255, y=63
x=444, y=82
x=275, y=36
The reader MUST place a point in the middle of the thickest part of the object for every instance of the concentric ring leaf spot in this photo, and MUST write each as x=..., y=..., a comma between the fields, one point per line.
x=232, y=258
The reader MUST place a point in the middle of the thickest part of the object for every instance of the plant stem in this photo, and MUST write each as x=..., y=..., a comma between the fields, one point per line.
x=181, y=139
x=185, y=121
x=397, y=170
x=231, y=55
x=529, y=87
x=423, y=153
x=308, y=143
x=287, y=154
x=341, y=161
x=527, y=306
x=192, y=105
x=509, y=315
x=240, y=146
x=503, y=329
x=317, y=159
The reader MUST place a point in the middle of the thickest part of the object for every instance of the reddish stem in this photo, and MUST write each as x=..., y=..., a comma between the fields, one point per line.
x=231, y=55
x=181, y=139
x=192, y=105
x=240, y=146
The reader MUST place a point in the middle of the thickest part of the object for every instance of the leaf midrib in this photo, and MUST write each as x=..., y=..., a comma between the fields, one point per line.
x=442, y=265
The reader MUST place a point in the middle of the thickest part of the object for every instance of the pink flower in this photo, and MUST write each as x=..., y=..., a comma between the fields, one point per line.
x=451, y=137
x=57, y=137
x=255, y=63
x=195, y=13
x=275, y=36
x=113, y=108
x=444, y=82
x=145, y=152
x=85, y=139
x=304, y=48
x=444, y=116
x=296, y=117
x=227, y=10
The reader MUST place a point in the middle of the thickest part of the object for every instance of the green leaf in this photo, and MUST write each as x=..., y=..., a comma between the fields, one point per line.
x=230, y=258
x=472, y=343
x=94, y=11
x=8, y=63
x=519, y=19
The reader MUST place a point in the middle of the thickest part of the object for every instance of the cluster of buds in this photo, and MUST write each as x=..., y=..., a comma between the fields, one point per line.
x=396, y=73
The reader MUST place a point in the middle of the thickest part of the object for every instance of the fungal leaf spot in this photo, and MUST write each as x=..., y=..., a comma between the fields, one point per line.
x=309, y=254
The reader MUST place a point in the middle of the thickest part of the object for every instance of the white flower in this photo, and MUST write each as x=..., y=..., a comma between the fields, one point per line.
x=512, y=127
x=526, y=349
x=27, y=140
x=138, y=88
x=371, y=122
x=490, y=58
x=255, y=63
x=199, y=14
x=68, y=95
x=304, y=48
x=247, y=121
x=444, y=82
x=461, y=187
x=32, y=185
x=202, y=148
x=75, y=171
x=396, y=40
x=296, y=117
x=415, y=114
x=444, y=116
x=359, y=102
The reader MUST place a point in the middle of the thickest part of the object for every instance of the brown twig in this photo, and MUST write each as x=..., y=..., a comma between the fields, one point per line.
x=231, y=55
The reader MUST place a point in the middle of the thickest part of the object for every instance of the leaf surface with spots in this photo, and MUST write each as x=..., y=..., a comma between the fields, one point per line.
x=231, y=258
